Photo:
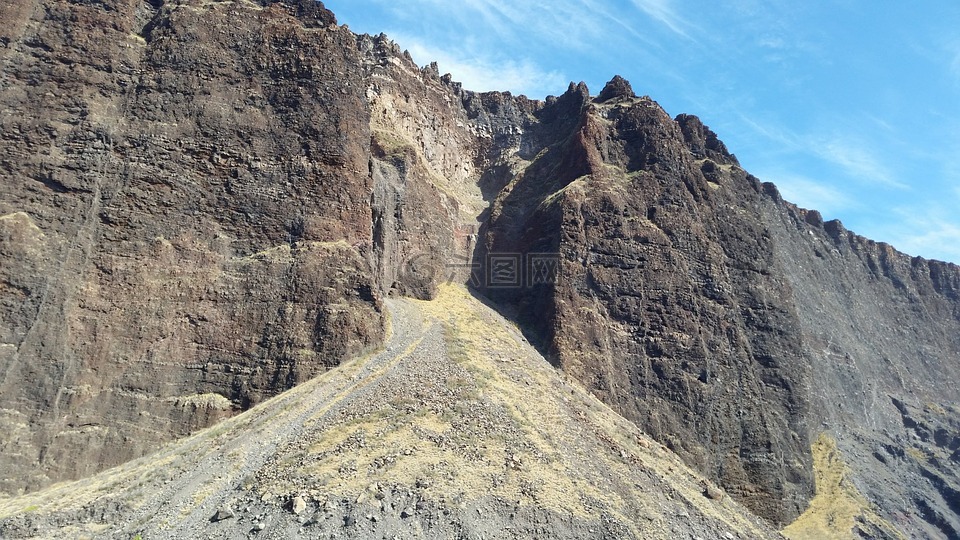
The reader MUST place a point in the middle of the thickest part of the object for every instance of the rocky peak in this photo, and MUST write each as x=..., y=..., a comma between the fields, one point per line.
x=616, y=88
x=703, y=142
x=311, y=13
x=579, y=89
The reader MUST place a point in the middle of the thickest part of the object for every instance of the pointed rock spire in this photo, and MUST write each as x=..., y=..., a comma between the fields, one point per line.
x=618, y=87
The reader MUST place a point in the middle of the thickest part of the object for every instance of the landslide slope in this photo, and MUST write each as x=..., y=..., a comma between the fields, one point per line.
x=457, y=428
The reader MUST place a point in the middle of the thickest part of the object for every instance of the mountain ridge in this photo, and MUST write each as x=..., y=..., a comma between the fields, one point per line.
x=226, y=214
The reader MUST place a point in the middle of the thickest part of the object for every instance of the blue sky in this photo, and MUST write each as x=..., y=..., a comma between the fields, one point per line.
x=851, y=107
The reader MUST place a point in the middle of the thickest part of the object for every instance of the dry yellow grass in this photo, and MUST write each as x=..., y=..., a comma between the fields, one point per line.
x=838, y=507
x=508, y=426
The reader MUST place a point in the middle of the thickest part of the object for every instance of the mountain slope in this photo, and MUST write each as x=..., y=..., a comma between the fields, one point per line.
x=204, y=204
x=458, y=427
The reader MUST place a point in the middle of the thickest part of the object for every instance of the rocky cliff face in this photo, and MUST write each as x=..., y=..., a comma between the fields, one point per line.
x=186, y=221
x=730, y=324
x=194, y=218
x=669, y=304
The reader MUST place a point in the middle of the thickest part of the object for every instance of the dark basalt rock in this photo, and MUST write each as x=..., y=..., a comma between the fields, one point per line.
x=703, y=142
x=312, y=13
x=616, y=88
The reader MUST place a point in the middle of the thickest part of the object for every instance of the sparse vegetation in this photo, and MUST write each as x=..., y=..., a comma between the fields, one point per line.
x=459, y=412
x=838, y=509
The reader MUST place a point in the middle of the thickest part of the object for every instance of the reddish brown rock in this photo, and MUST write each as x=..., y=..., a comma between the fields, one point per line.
x=203, y=203
x=186, y=221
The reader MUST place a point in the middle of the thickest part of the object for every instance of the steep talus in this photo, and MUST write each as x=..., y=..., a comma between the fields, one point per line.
x=882, y=333
x=458, y=428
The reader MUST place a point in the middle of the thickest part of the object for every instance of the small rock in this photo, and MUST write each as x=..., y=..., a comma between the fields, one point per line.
x=406, y=512
x=223, y=513
x=713, y=492
x=298, y=505
x=260, y=526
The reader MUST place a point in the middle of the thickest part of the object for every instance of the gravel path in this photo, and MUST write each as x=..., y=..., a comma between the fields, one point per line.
x=190, y=480
x=458, y=428
x=239, y=459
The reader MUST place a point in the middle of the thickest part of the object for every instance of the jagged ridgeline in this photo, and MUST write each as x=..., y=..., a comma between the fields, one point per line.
x=205, y=204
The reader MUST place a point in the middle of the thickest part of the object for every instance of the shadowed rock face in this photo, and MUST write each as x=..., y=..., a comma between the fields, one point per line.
x=669, y=304
x=193, y=219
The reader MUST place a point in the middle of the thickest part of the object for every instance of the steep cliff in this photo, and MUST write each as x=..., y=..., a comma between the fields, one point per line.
x=186, y=221
x=731, y=325
x=669, y=303
x=205, y=203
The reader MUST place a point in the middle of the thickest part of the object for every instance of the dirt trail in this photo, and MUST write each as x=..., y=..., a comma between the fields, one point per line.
x=458, y=428
x=223, y=468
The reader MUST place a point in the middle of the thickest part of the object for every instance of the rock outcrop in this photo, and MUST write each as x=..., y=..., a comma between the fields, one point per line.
x=193, y=219
x=668, y=303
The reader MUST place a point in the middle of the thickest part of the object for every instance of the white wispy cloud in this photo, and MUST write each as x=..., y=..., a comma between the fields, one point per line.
x=490, y=44
x=567, y=23
x=606, y=17
x=925, y=231
x=663, y=12
x=858, y=161
x=851, y=154
x=772, y=130
x=481, y=73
